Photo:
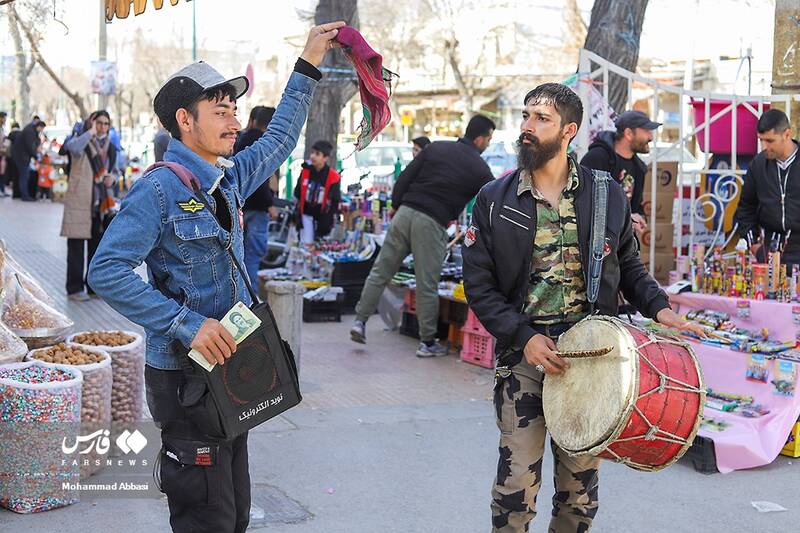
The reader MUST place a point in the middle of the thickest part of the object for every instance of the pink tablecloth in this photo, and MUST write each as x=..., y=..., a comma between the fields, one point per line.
x=747, y=442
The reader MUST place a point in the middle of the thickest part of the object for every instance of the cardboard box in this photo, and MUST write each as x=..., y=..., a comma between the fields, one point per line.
x=666, y=182
x=659, y=236
x=664, y=263
x=792, y=448
x=664, y=208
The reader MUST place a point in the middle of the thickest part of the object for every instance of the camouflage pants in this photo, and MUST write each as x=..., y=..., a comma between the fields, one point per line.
x=520, y=417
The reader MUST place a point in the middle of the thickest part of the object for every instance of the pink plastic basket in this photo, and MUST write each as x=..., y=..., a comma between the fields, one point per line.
x=478, y=349
x=719, y=131
x=473, y=325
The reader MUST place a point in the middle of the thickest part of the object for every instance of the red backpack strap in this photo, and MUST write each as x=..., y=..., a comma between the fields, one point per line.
x=184, y=174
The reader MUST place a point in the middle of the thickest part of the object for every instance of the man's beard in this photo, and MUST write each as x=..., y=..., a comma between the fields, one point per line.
x=641, y=147
x=532, y=157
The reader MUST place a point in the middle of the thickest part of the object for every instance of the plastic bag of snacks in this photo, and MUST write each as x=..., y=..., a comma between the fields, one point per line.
x=34, y=321
x=95, y=364
x=40, y=409
x=9, y=269
x=127, y=365
x=12, y=348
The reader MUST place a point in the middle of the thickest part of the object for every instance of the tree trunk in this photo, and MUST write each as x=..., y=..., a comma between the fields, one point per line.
x=614, y=32
x=335, y=88
x=36, y=55
x=23, y=96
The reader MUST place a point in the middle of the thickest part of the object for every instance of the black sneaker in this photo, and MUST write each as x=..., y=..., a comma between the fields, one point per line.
x=433, y=349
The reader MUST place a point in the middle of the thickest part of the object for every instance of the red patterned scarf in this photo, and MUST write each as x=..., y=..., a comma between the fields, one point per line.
x=374, y=84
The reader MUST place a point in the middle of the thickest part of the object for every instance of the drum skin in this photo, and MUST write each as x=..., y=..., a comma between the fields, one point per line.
x=657, y=410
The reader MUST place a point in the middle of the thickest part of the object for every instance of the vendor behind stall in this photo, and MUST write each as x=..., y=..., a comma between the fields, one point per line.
x=318, y=194
x=430, y=193
x=768, y=215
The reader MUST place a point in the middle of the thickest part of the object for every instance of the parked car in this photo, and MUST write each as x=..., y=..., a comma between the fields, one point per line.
x=501, y=155
x=373, y=167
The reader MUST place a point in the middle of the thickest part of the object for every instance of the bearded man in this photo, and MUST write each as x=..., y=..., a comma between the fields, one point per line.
x=616, y=152
x=526, y=277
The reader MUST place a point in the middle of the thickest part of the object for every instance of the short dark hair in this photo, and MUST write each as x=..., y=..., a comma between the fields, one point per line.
x=216, y=94
x=101, y=113
x=479, y=126
x=3, y=114
x=323, y=147
x=567, y=103
x=263, y=116
x=421, y=141
x=773, y=119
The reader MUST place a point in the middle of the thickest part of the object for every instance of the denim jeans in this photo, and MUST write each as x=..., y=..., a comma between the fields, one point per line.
x=255, y=241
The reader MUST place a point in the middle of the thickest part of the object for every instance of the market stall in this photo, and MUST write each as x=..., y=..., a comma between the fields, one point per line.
x=55, y=387
x=748, y=440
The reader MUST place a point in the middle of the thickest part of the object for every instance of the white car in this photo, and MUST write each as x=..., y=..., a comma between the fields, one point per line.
x=374, y=166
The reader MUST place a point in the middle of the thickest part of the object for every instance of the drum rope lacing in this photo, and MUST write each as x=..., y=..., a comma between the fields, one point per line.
x=654, y=432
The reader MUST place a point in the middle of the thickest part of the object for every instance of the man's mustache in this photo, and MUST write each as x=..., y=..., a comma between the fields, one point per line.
x=527, y=137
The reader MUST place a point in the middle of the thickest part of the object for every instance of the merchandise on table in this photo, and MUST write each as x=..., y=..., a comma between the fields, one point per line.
x=40, y=409
x=714, y=425
x=757, y=369
x=127, y=367
x=784, y=378
x=95, y=365
x=34, y=321
x=736, y=276
x=734, y=403
x=9, y=269
x=12, y=348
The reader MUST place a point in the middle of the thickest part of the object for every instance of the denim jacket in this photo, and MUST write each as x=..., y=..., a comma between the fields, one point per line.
x=191, y=275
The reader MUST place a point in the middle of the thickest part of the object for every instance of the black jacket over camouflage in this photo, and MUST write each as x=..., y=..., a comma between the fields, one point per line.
x=497, y=265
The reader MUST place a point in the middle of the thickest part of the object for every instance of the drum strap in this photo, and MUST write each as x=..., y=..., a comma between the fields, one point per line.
x=598, y=240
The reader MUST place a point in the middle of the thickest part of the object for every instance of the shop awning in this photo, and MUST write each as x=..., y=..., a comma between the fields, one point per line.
x=122, y=8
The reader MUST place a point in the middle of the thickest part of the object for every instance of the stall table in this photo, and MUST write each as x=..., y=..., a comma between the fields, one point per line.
x=747, y=442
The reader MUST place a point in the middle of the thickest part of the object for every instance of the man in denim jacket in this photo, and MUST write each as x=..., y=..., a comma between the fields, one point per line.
x=192, y=279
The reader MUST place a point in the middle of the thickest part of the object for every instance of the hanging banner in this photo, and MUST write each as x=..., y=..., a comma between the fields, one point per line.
x=122, y=8
x=104, y=77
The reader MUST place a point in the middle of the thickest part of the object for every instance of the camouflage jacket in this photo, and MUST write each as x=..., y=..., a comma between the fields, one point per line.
x=499, y=248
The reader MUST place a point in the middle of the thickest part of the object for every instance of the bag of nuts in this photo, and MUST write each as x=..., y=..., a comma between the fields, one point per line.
x=127, y=365
x=34, y=321
x=12, y=348
x=9, y=268
x=95, y=364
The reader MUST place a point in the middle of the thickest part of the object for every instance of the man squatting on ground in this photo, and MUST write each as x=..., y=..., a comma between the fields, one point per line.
x=192, y=280
x=525, y=272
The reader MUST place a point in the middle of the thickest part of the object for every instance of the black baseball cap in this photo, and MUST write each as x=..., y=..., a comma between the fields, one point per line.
x=635, y=119
x=186, y=85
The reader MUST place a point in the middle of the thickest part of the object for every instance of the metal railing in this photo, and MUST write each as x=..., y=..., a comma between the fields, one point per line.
x=727, y=182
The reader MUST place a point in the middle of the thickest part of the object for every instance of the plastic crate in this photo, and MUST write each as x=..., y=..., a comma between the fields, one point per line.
x=702, y=455
x=410, y=301
x=410, y=327
x=320, y=311
x=478, y=349
x=353, y=272
x=473, y=325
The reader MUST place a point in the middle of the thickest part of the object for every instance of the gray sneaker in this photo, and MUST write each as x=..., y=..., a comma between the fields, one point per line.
x=358, y=332
x=434, y=350
x=78, y=297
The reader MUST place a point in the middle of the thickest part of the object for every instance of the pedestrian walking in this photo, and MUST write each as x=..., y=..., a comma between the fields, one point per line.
x=5, y=145
x=431, y=192
x=25, y=147
x=94, y=159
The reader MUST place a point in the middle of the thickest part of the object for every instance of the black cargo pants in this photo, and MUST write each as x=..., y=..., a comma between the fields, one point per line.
x=207, y=481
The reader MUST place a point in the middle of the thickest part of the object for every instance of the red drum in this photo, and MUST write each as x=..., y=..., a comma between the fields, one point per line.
x=640, y=404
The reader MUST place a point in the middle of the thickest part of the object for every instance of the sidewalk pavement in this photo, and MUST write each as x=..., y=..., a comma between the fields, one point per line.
x=384, y=441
